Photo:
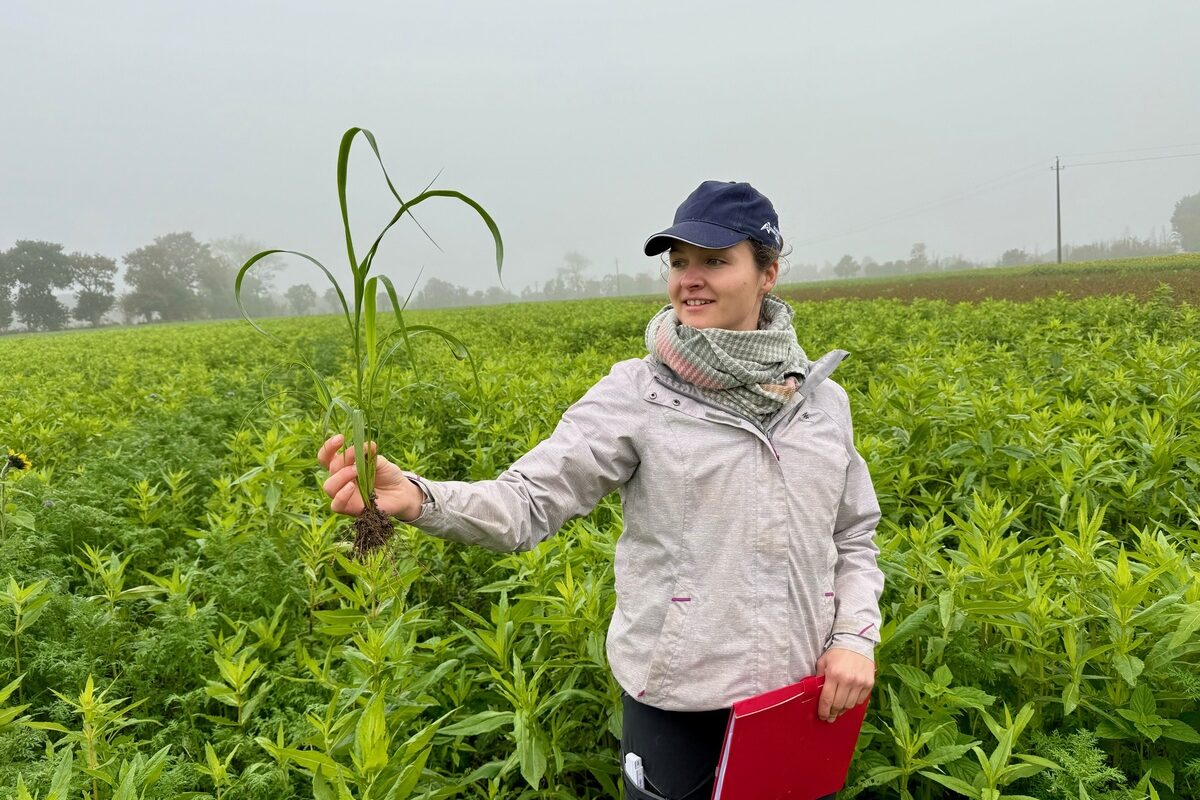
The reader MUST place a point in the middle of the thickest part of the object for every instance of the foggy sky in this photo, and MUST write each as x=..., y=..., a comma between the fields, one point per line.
x=581, y=126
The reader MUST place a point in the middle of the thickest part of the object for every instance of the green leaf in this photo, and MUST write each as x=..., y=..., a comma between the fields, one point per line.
x=371, y=738
x=1180, y=731
x=222, y=693
x=312, y=761
x=1143, y=703
x=911, y=677
x=483, y=722
x=905, y=630
x=1128, y=667
x=1160, y=769
x=531, y=753
x=1189, y=623
x=237, y=289
x=60, y=784
x=952, y=783
x=1017, y=771
x=942, y=676
x=1070, y=697
x=370, y=292
x=1110, y=730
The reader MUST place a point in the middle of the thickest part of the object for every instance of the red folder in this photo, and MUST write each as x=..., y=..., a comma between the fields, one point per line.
x=777, y=747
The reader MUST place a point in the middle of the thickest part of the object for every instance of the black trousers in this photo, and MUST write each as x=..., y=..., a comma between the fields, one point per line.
x=679, y=750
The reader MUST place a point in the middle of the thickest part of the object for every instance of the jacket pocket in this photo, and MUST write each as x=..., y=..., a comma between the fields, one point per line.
x=665, y=653
x=828, y=610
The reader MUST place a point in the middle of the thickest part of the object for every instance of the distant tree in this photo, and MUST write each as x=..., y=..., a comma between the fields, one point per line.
x=847, y=267
x=1014, y=258
x=1186, y=222
x=329, y=301
x=216, y=283
x=7, y=281
x=164, y=278
x=571, y=272
x=918, y=258
x=496, y=295
x=38, y=268
x=1127, y=247
x=301, y=299
x=956, y=264
x=437, y=293
x=94, y=278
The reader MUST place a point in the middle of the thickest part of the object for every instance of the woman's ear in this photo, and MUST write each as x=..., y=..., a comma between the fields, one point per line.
x=772, y=274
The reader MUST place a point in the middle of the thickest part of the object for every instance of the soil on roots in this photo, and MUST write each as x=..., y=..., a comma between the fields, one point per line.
x=372, y=529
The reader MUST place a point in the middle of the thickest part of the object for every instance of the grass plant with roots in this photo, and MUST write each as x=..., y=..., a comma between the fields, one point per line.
x=373, y=354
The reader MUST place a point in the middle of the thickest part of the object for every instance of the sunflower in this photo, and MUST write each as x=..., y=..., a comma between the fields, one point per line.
x=18, y=460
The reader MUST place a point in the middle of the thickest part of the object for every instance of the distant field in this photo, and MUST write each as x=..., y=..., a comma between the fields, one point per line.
x=1139, y=277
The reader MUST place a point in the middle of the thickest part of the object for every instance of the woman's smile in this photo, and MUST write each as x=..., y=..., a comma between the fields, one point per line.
x=702, y=279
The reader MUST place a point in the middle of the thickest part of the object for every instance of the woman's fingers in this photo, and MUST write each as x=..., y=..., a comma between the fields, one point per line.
x=337, y=481
x=347, y=501
x=342, y=483
x=328, y=451
x=331, y=459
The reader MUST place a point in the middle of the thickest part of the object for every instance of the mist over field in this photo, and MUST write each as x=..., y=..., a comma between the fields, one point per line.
x=872, y=126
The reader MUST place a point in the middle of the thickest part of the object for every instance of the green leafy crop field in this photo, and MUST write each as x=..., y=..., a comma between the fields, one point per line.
x=178, y=617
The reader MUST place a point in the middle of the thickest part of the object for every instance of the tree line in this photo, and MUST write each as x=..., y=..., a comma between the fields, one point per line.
x=570, y=282
x=174, y=278
x=178, y=278
x=1184, y=235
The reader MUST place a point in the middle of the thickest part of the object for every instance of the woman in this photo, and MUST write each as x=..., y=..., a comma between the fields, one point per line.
x=747, y=560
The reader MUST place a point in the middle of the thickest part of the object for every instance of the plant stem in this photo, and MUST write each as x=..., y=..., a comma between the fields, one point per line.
x=17, y=645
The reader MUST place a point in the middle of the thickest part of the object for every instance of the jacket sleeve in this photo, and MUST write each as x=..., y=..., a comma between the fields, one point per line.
x=590, y=453
x=857, y=581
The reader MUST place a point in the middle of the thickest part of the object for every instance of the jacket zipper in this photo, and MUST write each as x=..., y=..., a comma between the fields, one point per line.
x=759, y=430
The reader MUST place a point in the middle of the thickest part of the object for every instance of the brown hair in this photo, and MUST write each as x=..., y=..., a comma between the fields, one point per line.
x=764, y=254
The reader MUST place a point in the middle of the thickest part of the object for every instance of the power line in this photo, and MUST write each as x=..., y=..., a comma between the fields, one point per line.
x=1131, y=150
x=1129, y=160
x=996, y=183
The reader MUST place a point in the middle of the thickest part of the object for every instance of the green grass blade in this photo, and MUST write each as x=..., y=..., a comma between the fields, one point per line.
x=237, y=286
x=404, y=209
x=400, y=325
x=363, y=465
x=457, y=348
x=369, y=297
x=342, y=165
x=360, y=270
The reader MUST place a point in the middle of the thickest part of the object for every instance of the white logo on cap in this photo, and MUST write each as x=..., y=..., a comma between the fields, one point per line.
x=767, y=226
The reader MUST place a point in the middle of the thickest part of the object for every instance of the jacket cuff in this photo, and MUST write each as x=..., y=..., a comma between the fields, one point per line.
x=852, y=641
x=428, y=506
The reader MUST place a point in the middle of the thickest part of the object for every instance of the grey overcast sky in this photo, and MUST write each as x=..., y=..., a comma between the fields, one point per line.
x=582, y=125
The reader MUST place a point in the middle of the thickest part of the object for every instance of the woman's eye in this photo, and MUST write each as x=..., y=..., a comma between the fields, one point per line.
x=715, y=262
x=678, y=264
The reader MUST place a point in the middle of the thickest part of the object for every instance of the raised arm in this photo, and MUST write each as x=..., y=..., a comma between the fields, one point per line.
x=591, y=452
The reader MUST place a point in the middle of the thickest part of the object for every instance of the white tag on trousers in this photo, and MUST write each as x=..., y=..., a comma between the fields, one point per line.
x=633, y=768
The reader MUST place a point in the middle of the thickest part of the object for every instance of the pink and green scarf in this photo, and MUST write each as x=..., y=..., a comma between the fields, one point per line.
x=752, y=373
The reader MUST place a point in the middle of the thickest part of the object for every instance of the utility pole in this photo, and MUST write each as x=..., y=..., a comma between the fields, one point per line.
x=617, y=265
x=1058, y=205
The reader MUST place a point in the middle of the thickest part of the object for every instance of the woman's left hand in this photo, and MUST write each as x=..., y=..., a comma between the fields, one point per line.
x=848, y=681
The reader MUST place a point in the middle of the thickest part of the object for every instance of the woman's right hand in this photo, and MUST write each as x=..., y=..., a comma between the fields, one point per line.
x=395, y=494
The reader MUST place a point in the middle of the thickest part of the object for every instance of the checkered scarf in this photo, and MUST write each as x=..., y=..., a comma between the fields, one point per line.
x=751, y=373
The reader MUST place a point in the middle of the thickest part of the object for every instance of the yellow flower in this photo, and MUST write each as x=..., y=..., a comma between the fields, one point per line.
x=18, y=460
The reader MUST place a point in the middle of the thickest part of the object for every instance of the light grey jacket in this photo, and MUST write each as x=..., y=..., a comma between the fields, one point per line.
x=747, y=551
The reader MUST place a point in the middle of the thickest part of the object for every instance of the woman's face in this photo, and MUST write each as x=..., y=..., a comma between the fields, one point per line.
x=718, y=288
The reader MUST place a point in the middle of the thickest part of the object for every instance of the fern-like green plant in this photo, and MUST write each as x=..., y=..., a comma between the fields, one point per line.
x=373, y=353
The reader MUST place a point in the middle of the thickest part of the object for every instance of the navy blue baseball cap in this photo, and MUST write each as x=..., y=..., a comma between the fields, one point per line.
x=720, y=214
